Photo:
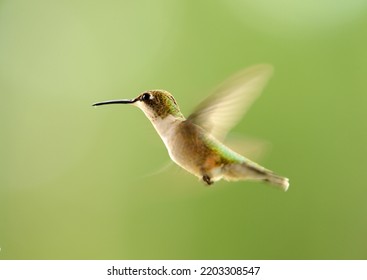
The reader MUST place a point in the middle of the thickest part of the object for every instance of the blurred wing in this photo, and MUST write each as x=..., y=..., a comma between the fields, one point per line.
x=163, y=168
x=252, y=148
x=218, y=113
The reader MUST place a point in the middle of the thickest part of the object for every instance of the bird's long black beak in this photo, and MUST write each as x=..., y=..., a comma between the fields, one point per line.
x=121, y=101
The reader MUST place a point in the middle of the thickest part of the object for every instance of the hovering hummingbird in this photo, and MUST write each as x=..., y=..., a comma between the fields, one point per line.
x=194, y=143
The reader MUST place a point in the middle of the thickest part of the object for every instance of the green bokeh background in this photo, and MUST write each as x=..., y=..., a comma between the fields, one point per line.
x=74, y=181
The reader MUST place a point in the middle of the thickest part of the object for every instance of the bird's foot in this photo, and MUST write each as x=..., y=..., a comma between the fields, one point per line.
x=207, y=180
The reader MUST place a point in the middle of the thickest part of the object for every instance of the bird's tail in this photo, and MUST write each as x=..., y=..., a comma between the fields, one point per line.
x=252, y=171
x=277, y=180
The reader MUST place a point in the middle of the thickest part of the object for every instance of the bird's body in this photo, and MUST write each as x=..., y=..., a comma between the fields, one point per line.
x=192, y=143
x=209, y=159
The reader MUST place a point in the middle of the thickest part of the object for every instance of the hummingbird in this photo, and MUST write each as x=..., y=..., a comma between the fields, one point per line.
x=195, y=143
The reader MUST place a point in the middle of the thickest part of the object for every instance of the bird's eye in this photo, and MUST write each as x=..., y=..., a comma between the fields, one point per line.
x=145, y=96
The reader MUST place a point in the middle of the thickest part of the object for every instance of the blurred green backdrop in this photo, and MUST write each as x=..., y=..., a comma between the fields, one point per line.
x=74, y=181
